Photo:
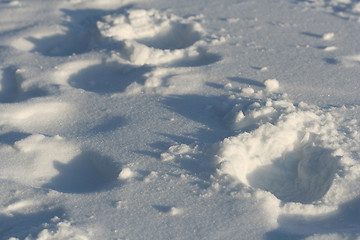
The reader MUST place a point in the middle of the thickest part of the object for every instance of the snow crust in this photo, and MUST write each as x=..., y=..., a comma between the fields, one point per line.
x=179, y=119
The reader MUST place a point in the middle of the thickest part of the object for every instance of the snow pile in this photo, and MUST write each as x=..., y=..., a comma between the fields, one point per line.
x=294, y=151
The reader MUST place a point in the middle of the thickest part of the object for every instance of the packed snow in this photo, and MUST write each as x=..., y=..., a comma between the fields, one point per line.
x=132, y=119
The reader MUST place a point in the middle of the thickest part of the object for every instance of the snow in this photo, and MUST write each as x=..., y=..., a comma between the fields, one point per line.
x=172, y=119
x=271, y=85
x=125, y=173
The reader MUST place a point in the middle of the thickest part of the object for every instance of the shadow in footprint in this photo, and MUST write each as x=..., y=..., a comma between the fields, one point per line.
x=178, y=36
x=11, y=137
x=75, y=41
x=309, y=34
x=210, y=130
x=11, y=90
x=21, y=225
x=88, y=172
x=283, y=235
x=214, y=85
x=201, y=59
x=200, y=109
x=332, y=61
x=345, y=220
x=246, y=81
x=10, y=84
x=109, y=125
x=81, y=36
x=108, y=77
x=162, y=209
x=303, y=175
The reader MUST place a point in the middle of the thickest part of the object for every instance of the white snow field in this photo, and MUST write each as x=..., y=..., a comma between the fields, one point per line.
x=164, y=119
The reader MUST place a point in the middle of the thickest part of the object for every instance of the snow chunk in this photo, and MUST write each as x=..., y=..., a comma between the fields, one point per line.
x=151, y=176
x=125, y=174
x=181, y=150
x=233, y=20
x=247, y=92
x=175, y=211
x=330, y=49
x=272, y=85
x=120, y=204
x=328, y=36
x=64, y=231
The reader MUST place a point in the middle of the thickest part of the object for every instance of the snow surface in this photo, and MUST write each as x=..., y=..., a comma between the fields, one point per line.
x=132, y=119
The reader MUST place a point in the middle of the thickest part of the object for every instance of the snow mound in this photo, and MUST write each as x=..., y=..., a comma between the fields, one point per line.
x=294, y=151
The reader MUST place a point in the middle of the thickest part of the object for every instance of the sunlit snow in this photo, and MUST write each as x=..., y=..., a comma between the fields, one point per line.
x=164, y=119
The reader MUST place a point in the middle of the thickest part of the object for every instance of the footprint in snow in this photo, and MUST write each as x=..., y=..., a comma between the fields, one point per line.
x=54, y=163
x=77, y=35
x=19, y=225
x=303, y=175
x=111, y=77
x=348, y=9
x=168, y=210
x=87, y=172
x=151, y=37
x=291, y=151
x=11, y=86
x=138, y=36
